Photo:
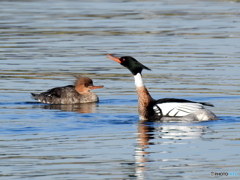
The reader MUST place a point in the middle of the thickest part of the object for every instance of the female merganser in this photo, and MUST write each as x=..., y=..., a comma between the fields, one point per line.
x=167, y=109
x=71, y=94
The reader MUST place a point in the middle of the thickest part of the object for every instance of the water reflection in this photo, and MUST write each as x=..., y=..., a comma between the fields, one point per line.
x=80, y=108
x=170, y=133
x=193, y=49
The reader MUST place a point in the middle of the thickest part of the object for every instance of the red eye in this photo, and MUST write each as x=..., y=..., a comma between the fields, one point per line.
x=86, y=84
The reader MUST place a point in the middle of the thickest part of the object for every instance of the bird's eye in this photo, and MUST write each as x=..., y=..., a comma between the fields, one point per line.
x=86, y=84
x=123, y=59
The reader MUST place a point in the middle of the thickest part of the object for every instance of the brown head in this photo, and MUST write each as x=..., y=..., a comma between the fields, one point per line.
x=83, y=85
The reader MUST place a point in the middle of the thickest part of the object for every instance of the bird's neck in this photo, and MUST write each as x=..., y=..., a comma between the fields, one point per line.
x=144, y=98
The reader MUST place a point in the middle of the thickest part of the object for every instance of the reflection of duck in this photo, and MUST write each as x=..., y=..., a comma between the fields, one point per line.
x=145, y=133
x=80, y=108
x=168, y=109
x=71, y=94
x=165, y=134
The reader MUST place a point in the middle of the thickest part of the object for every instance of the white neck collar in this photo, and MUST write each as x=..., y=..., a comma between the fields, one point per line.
x=138, y=80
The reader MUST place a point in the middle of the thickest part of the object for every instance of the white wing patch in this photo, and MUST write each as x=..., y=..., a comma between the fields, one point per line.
x=177, y=109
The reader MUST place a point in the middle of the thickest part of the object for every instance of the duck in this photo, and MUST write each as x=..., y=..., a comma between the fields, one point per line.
x=166, y=109
x=70, y=94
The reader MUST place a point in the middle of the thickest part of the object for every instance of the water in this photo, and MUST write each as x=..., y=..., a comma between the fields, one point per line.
x=192, y=48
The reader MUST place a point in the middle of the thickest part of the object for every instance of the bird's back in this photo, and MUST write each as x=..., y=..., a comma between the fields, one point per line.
x=64, y=95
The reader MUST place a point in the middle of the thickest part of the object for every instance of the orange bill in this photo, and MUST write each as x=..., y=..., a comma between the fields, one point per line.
x=95, y=87
x=109, y=56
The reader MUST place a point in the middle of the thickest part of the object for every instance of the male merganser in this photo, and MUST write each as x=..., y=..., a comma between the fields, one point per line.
x=71, y=94
x=167, y=109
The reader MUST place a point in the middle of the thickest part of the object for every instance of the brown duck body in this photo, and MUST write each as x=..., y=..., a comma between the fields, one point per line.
x=65, y=95
x=71, y=94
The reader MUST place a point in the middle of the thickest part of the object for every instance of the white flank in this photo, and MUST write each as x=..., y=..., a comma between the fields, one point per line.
x=138, y=80
x=177, y=109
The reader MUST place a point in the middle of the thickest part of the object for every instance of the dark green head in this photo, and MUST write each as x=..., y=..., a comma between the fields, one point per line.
x=129, y=62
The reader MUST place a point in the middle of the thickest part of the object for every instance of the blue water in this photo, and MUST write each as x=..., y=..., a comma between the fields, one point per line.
x=192, y=48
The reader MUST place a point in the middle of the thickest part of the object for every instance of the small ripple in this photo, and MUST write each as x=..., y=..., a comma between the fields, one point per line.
x=118, y=101
x=18, y=103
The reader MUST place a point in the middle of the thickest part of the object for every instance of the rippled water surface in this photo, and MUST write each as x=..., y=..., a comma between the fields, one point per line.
x=193, y=50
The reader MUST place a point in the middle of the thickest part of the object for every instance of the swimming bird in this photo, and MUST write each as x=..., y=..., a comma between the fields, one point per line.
x=71, y=94
x=166, y=109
